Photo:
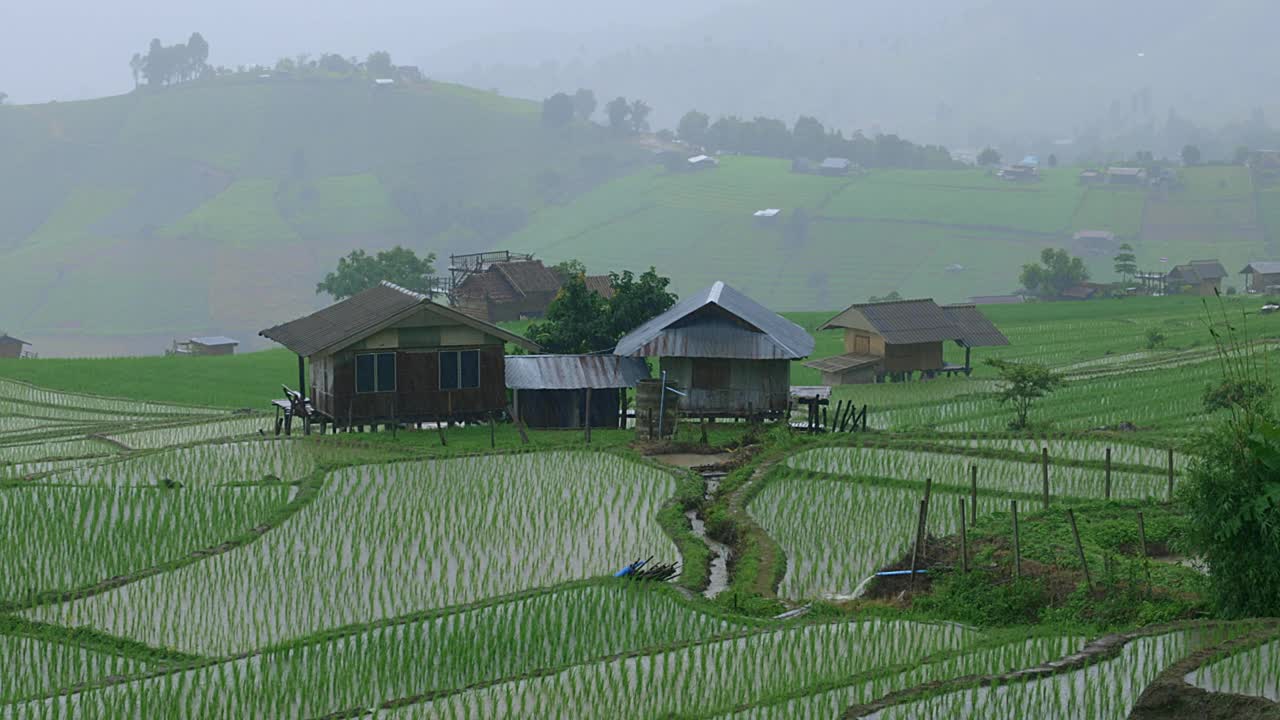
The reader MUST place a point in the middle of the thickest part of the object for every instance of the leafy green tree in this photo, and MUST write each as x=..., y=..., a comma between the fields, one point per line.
x=639, y=113
x=636, y=299
x=618, y=110
x=1055, y=273
x=359, y=271
x=136, y=63
x=809, y=138
x=1155, y=337
x=336, y=64
x=892, y=296
x=1190, y=155
x=378, y=64
x=557, y=110
x=569, y=268
x=576, y=321
x=197, y=55
x=1021, y=384
x=584, y=104
x=989, y=156
x=693, y=127
x=1126, y=264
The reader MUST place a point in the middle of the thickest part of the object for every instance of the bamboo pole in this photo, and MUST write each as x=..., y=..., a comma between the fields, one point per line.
x=1170, y=474
x=587, y=415
x=973, y=494
x=928, y=497
x=493, y=432
x=1108, y=473
x=1017, y=545
x=1142, y=541
x=1044, y=471
x=915, y=549
x=964, y=539
x=1075, y=532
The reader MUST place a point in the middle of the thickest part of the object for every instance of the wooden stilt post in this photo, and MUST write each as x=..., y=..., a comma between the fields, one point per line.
x=587, y=416
x=1017, y=543
x=1142, y=543
x=915, y=549
x=704, y=429
x=1108, y=475
x=444, y=442
x=964, y=539
x=973, y=494
x=928, y=496
x=493, y=432
x=302, y=392
x=1170, y=474
x=515, y=420
x=1075, y=532
x=1044, y=469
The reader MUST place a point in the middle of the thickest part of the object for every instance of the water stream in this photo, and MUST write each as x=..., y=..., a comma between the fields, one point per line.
x=719, y=580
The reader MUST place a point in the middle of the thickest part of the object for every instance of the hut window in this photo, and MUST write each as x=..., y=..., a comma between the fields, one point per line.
x=375, y=372
x=459, y=369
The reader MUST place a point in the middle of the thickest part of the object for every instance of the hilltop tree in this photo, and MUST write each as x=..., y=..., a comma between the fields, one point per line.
x=989, y=156
x=618, y=110
x=197, y=55
x=557, y=110
x=359, y=271
x=1190, y=155
x=4, y=97
x=639, y=112
x=693, y=127
x=584, y=104
x=164, y=65
x=378, y=64
x=336, y=64
x=809, y=137
x=1055, y=273
x=1126, y=264
x=136, y=63
x=1021, y=384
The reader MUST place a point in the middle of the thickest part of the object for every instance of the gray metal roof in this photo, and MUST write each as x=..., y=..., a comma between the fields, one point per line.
x=214, y=340
x=841, y=363
x=836, y=163
x=903, y=322
x=718, y=321
x=975, y=329
x=6, y=336
x=1263, y=267
x=574, y=372
x=365, y=313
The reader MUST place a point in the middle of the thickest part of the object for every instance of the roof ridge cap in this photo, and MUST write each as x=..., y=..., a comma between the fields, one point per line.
x=406, y=291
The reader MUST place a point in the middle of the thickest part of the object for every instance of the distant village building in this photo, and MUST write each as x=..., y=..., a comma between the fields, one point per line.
x=601, y=285
x=1083, y=291
x=1204, y=277
x=1019, y=173
x=727, y=354
x=897, y=339
x=1126, y=175
x=997, y=299
x=701, y=162
x=1091, y=177
x=556, y=391
x=1095, y=242
x=767, y=216
x=801, y=165
x=1262, y=276
x=835, y=166
x=208, y=345
x=384, y=82
x=508, y=290
x=409, y=73
x=11, y=347
x=390, y=355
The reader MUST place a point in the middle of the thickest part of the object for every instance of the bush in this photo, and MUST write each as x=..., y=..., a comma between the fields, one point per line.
x=1155, y=338
x=983, y=599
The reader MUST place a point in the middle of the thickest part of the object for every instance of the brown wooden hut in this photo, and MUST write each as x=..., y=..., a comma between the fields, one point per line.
x=208, y=345
x=1262, y=276
x=11, y=347
x=389, y=354
x=730, y=355
x=508, y=290
x=562, y=391
x=1203, y=277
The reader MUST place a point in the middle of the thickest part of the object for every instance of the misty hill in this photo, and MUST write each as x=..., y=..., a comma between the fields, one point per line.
x=947, y=234
x=216, y=206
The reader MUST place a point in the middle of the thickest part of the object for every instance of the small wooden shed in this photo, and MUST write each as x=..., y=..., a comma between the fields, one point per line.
x=730, y=355
x=1204, y=277
x=389, y=354
x=508, y=290
x=11, y=347
x=563, y=391
x=208, y=345
x=1262, y=276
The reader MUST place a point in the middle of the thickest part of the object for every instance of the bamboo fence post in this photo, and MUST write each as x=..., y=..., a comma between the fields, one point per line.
x=1170, y=474
x=928, y=496
x=1142, y=541
x=440, y=427
x=493, y=432
x=964, y=540
x=515, y=420
x=1044, y=471
x=1017, y=545
x=587, y=414
x=1108, y=473
x=1075, y=532
x=915, y=549
x=973, y=494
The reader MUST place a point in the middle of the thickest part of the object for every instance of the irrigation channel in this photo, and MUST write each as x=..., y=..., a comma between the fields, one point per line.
x=718, y=581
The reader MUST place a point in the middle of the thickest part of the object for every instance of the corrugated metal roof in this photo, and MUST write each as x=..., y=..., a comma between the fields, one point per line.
x=14, y=339
x=214, y=340
x=1264, y=267
x=840, y=363
x=745, y=330
x=574, y=372
x=365, y=313
x=836, y=163
x=904, y=322
x=975, y=329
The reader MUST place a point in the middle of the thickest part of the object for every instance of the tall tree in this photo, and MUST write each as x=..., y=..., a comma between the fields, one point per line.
x=1055, y=273
x=809, y=138
x=637, y=299
x=639, y=115
x=557, y=110
x=1126, y=264
x=693, y=127
x=335, y=63
x=584, y=104
x=136, y=63
x=576, y=321
x=618, y=110
x=1190, y=155
x=989, y=156
x=378, y=64
x=359, y=271
x=197, y=54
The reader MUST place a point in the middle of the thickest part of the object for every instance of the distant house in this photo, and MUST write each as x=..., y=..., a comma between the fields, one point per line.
x=1031, y=161
x=382, y=82
x=835, y=166
x=730, y=355
x=1095, y=242
x=508, y=290
x=1083, y=291
x=409, y=73
x=392, y=355
x=1126, y=175
x=208, y=345
x=897, y=339
x=767, y=215
x=1204, y=277
x=1262, y=276
x=1091, y=177
x=11, y=347
x=997, y=299
x=801, y=165
x=1019, y=173
x=553, y=391
x=701, y=162
x=600, y=285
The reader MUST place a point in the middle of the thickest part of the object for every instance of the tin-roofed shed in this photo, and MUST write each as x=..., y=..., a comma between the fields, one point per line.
x=730, y=355
x=1262, y=276
x=11, y=347
x=557, y=391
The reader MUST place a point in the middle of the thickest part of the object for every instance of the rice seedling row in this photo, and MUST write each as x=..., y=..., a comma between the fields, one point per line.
x=201, y=465
x=57, y=450
x=1079, y=450
x=440, y=654
x=30, y=394
x=1252, y=672
x=381, y=541
x=34, y=667
x=155, y=438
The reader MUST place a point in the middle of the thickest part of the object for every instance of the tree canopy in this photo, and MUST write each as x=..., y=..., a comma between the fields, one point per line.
x=584, y=104
x=618, y=110
x=378, y=64
x=1126, y=264
x=693, y=127
x=167, y=64
x=581, y=321
x=360, y=271
x=1021, y=383
x=557, y=110
x=1054, y=274
x=989, y=156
